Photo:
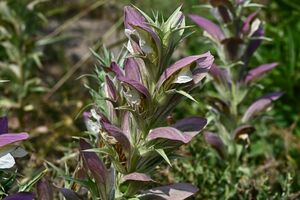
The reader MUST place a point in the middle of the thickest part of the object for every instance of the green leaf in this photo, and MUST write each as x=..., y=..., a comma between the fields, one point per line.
x=164, y=155
x=52, y=40
x=28, y=185
x=84, y=183
x=254, y=5
x=36, y=58
x=205, y=6
x=100, y=150
x=172, y=19
x=145, y=15
x=183, y=93
x=58, y=170
x=4, y=81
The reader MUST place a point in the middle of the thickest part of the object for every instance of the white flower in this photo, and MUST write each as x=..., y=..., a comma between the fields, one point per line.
x=93, y=126
x=184, y=76
x=95, y=115
x=254, y=26
x=7, y=161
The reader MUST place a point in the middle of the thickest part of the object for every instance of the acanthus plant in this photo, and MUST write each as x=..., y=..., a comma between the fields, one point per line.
x=235, y=39
x=128, y=124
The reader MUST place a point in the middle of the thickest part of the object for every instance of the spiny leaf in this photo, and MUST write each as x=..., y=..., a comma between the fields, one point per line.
x=187, y=95
x=164, y=155
x=28, y=185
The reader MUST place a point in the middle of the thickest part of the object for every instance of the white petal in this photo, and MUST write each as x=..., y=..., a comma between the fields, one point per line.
x=93, y=127
x=254, y=26
x=95, y=115
x=128, y=32
x=7, y=161
x=243, y=136
x=132, y=35
x=129, y=47
x=184, y=76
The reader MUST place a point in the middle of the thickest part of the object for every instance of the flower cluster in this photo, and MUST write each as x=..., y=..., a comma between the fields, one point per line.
x=129, y=122
x=235, y=39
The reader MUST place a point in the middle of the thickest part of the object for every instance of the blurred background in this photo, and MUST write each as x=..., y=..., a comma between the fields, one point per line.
x=45, y=54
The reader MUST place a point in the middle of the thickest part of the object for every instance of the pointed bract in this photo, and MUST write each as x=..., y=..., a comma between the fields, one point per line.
x=260, y=105
x=117, y=134
x=153, y=35
x=169, y=133
x=211, y=28
x=110, y=88
x=254, y=44
x=93, y=163
x=135, y=85
x=216, y=142
x=134, y=20
x=247, y=23
x=203, y=66
x=202, y=63
x=259, y=71
x=116, y=69
x=9, y=138
x=132, y=17
x=138, y=177
x=190, y=125
x=177, y=191
x=243, y=130
x=132, y=70
x=219, y=104
x=126, y=124
x=219, y=75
